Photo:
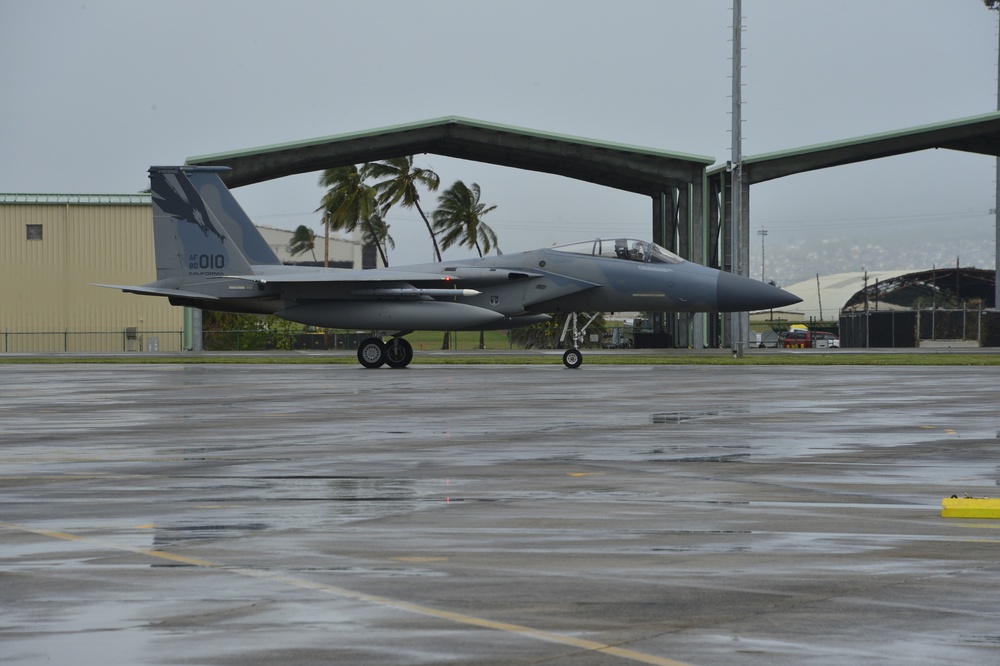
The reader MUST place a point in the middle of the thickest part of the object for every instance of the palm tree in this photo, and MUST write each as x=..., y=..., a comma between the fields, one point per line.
x=374, y=231
x=303, y=240
x=397, y=181
x=459, y=217
x=350, y=203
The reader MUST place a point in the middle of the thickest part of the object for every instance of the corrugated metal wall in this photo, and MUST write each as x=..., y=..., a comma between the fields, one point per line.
x=46, y=301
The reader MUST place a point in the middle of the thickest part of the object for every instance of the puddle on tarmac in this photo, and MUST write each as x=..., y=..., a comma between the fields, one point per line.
x=672, y=418
x=681, y=417
x=78, y=635
x=170, y=534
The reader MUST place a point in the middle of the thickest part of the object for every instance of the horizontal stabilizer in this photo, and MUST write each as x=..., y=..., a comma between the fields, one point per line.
x=157, y=291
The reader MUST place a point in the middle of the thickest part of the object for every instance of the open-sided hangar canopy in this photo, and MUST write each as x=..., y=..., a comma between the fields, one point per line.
x=978, y=134
x=630, y=168
x=673, y=180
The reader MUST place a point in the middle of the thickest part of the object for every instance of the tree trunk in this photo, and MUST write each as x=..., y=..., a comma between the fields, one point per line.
x=437, y=250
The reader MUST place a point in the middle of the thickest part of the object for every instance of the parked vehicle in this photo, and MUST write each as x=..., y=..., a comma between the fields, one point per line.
x=800, y=337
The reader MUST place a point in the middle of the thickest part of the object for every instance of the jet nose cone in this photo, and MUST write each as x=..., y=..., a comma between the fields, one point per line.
x=735, y=293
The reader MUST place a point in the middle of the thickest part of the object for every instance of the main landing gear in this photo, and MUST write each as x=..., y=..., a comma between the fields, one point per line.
x=397, y=353
x=574, y=357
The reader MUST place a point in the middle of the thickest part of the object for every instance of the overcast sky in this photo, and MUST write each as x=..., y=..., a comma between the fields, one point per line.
x=94, y=92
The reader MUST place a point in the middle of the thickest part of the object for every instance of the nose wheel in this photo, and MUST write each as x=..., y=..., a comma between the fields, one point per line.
x=572, y=358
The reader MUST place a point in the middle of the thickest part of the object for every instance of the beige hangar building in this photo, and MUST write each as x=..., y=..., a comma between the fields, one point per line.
x=54, y=247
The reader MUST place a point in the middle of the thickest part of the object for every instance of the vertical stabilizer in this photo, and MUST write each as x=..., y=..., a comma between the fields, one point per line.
x=199, y=229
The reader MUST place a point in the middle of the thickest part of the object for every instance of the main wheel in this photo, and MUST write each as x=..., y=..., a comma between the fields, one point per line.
x=371, y=353
x=398, y=353
x=572, y=358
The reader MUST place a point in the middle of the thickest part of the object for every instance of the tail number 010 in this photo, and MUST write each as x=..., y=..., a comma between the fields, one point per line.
x=206, y=261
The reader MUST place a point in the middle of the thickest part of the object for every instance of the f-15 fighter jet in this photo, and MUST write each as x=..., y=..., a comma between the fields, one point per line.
x=209, y=255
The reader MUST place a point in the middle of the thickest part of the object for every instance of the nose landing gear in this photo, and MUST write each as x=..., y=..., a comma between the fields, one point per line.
x=574, y=357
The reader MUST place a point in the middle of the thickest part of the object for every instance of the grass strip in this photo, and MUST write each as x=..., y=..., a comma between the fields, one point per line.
x=839, y=358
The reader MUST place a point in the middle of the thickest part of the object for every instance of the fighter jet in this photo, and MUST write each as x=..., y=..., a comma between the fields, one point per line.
x=210, y=255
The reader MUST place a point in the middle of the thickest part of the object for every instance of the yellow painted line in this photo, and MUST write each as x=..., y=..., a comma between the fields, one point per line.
x=302, y=583
x=584, y=473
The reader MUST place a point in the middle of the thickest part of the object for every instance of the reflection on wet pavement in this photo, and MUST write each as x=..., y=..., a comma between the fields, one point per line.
x=315, y=514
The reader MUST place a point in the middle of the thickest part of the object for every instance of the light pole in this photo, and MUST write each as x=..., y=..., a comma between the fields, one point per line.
x=995, y=4
x=736, y=185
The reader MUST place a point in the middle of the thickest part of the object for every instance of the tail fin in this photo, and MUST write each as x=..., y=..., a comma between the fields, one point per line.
x=199, y=229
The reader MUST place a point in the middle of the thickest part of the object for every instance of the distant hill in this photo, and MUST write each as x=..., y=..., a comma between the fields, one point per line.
x=801, y=259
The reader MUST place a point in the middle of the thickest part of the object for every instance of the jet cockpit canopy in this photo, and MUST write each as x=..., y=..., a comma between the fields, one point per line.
x=629, y=249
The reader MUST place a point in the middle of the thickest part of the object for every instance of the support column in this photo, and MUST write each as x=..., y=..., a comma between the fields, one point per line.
x=697, y=220
x=726, y=243
x=682, y=224
x=192, y=336
x=665, y=234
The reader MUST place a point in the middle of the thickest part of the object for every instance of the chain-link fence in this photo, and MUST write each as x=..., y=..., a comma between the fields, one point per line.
x=913, y=328
x=129, y=340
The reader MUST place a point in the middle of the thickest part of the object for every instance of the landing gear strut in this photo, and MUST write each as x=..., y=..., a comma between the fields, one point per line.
x=574, y=357
x=373, y=353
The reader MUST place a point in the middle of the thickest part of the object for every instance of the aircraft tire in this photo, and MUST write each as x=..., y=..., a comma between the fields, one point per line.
x=372, y=353
x=572, y=358
x=398, y=353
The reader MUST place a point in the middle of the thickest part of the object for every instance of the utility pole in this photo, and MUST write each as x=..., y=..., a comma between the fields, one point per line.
x=819, y=298
x=995, y=5
x=739, y=334
x=762, y=233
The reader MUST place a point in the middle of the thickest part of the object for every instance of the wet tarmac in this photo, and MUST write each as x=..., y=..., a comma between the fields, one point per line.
x=251, y=514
